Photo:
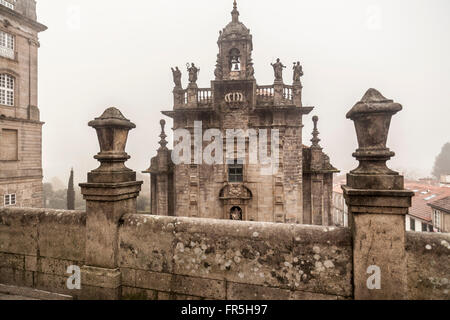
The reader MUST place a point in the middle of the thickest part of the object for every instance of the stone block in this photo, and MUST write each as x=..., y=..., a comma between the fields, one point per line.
x=428, y=262
x=12, y=261
x=18, y=231
x=10, y=276
x=146, y=243
x=65, y=228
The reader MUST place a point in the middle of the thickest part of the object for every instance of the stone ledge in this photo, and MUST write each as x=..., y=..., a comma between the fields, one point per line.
x=100, y=277
x=32, y=293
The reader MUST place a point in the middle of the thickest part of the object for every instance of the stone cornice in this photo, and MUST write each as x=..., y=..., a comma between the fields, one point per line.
x=39, y=27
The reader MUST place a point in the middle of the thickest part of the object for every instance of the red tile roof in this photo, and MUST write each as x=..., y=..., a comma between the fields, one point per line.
x=441, y=204
x=424, y=194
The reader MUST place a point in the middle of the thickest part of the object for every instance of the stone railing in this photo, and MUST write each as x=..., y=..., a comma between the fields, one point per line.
x=7, y=4
x=288, y=93
x=278, y=94
x=204, y=96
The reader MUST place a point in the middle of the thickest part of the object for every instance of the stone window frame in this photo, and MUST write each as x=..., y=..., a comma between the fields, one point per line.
x=16, y=79
x=235, y=166
x=13, y=56
x=12, y=199
x=19, y=144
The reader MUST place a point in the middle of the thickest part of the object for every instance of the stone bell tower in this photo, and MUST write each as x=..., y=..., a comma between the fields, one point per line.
x=234, y=61
x=234, y=185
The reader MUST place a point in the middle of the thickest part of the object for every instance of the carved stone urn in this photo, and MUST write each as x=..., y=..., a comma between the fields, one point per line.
x=112, y=132
x=372, y=117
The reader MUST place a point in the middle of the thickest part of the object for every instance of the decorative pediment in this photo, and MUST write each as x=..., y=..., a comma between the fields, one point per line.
x=235, y=191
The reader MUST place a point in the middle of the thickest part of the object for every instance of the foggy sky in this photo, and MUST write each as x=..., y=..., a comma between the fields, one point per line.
x=103, y=53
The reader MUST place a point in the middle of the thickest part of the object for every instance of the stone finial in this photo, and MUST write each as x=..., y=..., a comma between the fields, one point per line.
x=372, y=117
x=315, y=140
x=235, y=12
x=112, y=132
x=163, y=135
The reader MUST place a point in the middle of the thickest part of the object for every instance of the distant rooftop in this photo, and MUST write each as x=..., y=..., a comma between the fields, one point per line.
x=442, y=204
x=425, y=195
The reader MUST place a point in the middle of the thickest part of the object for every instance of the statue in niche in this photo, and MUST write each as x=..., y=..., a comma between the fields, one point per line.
x=193, y=73
x=176, y=77
x=298, y=71
x=236, y=214
x=278, y=70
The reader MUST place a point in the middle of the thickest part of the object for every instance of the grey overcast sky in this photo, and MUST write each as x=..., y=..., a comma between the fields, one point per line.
x=102, y=53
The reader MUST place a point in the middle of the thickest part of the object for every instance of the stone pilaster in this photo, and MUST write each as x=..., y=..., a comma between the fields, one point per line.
x=192, y=91
x=297, y=89
x=110, y=192
x=278, y=87
x=377, y=205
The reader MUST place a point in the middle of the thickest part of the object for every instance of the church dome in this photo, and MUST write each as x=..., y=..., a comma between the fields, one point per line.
x=235, y=29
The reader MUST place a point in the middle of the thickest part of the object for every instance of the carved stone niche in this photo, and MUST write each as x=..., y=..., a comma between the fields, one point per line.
x=235, y=195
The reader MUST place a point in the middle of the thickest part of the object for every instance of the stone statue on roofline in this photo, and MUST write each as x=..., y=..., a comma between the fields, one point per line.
x=176, y=77
x=193, y=73
x=298, y=72
x=278, y=70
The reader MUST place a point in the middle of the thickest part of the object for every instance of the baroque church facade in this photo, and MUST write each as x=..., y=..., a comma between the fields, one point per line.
x=298, y=191
x=20, y=123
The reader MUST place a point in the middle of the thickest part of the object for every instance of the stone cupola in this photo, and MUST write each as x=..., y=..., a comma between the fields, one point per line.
x=234, y=61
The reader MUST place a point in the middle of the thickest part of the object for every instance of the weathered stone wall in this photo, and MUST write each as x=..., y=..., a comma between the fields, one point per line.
x=37, y=246
x=215, y=259
x=428, y=256
x=184, y=258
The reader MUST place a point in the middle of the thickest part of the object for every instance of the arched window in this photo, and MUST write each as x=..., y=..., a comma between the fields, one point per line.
x=235, y=59
x=6, y=89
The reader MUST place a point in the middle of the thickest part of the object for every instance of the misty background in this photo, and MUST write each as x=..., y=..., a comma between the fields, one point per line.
x=103, y=53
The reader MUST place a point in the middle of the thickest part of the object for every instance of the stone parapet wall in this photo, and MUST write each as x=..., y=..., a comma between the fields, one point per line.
x=219, y=259
x=428, y=256
x=38, y=245
x=190, y=258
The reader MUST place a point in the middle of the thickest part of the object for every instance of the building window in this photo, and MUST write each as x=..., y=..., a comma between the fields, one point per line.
x=8, y=145
x=7, y=4
x=424, y=227
x=235, y=172
x=437, y=220
x=10, y=199
x=6, y=45
x=7, y=90
x=412, y=224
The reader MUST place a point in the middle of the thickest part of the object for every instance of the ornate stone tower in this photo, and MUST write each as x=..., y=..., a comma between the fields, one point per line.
x=20, y=124
x=235, y=186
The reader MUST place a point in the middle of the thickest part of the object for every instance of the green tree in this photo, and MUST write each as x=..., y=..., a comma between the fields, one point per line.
x=442, y=162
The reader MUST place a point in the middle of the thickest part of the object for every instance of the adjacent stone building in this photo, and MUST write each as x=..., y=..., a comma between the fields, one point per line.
x=20, y=124
x=298, y=189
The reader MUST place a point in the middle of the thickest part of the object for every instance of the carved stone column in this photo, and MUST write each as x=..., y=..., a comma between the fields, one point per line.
x=110, y=192
x=377, y=204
